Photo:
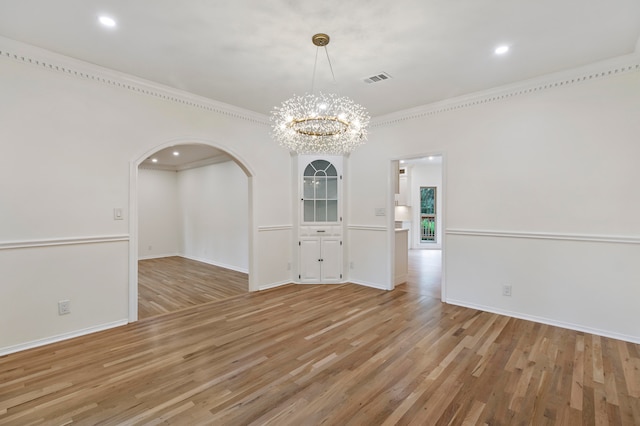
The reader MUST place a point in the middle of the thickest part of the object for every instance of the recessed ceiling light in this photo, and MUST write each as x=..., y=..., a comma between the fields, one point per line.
x=176, y=153
x=430, y=158
x=154, y=160
x=107, y=21
x=501, y=50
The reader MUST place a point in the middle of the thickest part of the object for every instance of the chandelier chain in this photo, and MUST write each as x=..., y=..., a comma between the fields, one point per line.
x=322, y=123
x=330, y=65
x=313, y=79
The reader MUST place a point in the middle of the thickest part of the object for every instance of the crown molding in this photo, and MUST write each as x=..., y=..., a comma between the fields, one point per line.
x=599, y=70
x=42, y=58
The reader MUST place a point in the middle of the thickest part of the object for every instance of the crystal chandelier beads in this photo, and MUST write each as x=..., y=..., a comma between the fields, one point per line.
x=322, y=123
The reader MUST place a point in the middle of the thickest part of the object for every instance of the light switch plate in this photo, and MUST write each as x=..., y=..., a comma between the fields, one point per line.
x=380, y=211
x=117, y=214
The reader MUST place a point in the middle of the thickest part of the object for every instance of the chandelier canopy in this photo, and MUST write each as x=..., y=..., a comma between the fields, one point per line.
x=320, y=123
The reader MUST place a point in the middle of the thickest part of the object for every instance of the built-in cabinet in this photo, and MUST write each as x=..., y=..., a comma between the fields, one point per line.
x=321, y=260
x=320, y=229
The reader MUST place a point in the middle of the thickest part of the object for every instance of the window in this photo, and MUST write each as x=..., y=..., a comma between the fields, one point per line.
x=320, y=192
x=427, y=214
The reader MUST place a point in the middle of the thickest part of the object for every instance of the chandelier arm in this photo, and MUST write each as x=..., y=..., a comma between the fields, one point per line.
x=330, y=66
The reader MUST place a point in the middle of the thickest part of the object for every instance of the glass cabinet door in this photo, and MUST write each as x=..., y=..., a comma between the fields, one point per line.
x=320, y=192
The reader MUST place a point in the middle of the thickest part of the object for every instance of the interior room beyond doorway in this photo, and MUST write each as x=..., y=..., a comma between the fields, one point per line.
x=425, y=273
x=174, y=283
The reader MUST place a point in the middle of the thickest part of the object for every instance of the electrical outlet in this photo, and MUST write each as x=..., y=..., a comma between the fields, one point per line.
x=288, y=266
x=350, y=265
x=64, y=307
x=506, y=290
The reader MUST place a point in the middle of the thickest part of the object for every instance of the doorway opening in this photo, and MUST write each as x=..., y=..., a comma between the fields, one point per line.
x=191, y=238
x=418, y=202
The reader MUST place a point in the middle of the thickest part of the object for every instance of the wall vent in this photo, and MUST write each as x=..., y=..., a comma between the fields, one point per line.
x=377, y=78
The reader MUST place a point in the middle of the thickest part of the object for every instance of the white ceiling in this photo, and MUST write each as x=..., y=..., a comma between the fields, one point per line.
x=182, y=157
x=256, y=53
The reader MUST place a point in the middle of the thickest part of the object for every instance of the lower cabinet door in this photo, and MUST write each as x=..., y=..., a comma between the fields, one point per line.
x=310, y=260
x=331, y=251
x=320, y=260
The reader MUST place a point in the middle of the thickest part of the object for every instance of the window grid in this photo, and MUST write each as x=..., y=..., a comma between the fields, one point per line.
x=320, y=192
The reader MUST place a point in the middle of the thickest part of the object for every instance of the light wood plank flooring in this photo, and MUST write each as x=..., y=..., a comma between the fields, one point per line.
x=425, y=273
x=334, y=355
x=169, y=284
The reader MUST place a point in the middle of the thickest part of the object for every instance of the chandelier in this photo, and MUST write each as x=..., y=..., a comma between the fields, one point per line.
x=320, y=123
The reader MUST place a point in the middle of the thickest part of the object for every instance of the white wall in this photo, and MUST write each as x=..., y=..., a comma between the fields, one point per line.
x=159, y=226
x=200, y=213
x=560, y=223
x=214, y=216
x=426, y=175
x=541, y=194
x=70, y=133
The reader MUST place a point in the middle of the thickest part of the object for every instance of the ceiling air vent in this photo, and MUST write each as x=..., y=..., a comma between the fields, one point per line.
x=377, y=78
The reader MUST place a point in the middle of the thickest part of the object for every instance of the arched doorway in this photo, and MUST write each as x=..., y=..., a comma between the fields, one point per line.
x=194, y=163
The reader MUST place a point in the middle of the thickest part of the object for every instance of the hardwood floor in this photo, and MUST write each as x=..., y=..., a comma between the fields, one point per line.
x=335, y=355
x=169, y=284
x=425, y=273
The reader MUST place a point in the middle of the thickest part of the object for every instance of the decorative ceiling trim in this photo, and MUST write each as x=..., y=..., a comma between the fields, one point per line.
x=605, y=69
x=55, y=62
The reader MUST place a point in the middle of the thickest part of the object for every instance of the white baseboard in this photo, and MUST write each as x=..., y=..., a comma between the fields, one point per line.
x=400, y=279
x=60, y=337
x=159, y=256
x=274, y=285
x=372, y=285
x=211, y=262
x=547, y=321
x=197, y=259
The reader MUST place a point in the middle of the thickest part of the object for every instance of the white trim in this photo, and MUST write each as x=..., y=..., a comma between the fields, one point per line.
x=9, y=245
x=60, y=337
x=366, y=228
x=402, y=279
x=218, y=264
x=274, y=285
x=133, y=215
x=547, y=321
x=275, y=228
x=603, y=69
x=159, y=256
x=616, y=239
x=42, y=58
x=377, y=286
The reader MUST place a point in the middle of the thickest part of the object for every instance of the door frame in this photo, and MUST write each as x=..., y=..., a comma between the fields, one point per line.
x=443, y=200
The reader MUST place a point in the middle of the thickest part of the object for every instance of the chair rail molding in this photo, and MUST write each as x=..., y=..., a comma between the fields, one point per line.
x=267, y=228
x=377, y=228
x=12, y=245
x=616, y=239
